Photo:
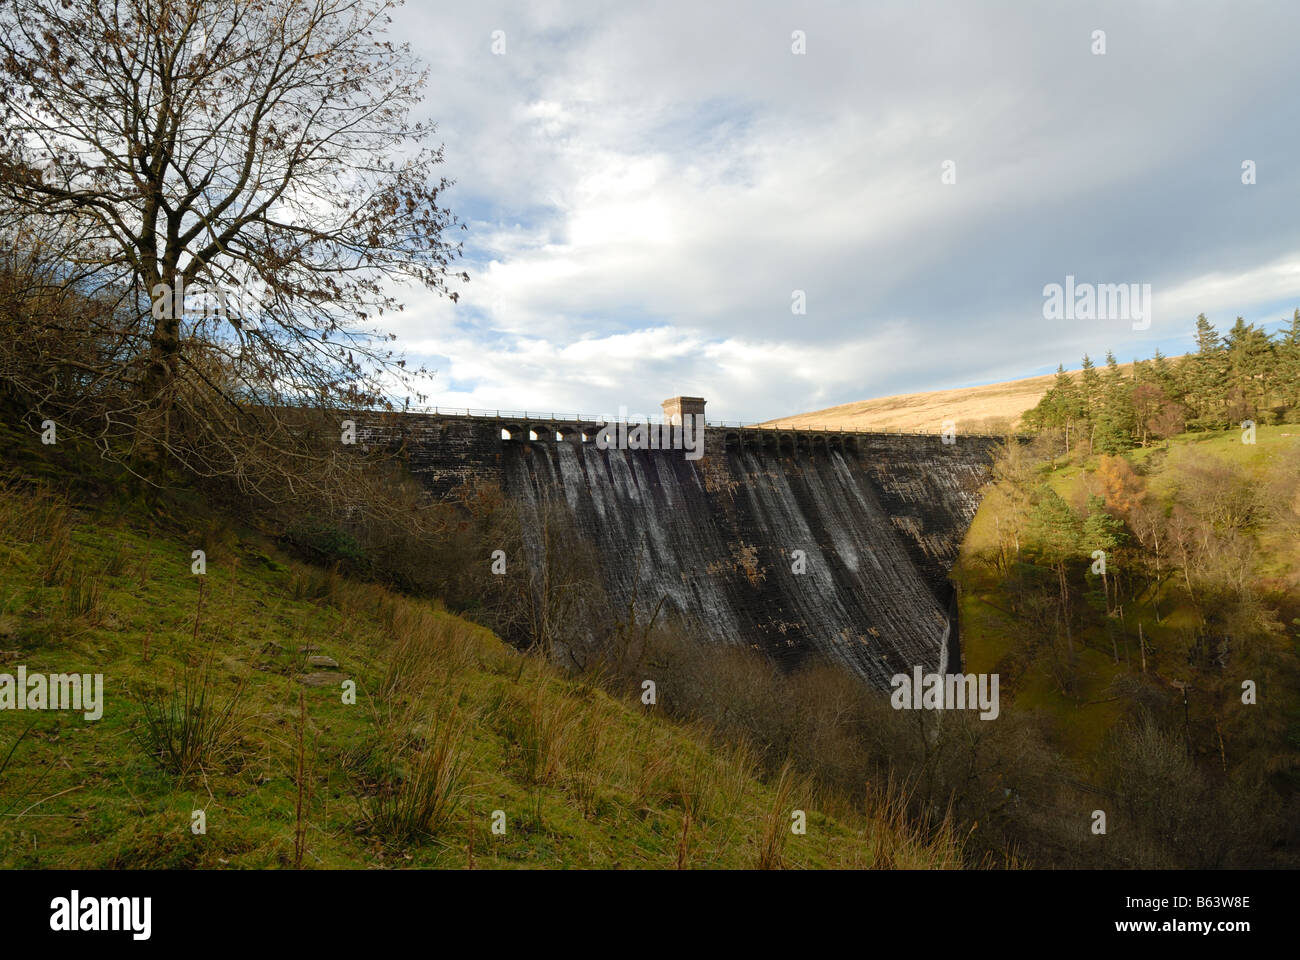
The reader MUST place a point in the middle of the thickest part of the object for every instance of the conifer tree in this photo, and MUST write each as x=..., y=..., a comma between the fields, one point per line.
x=1115, y=426
x=1288, y=367
x=1162, y=372
x=1060, y=409
x=1090, y=389
x=1251, y=375
x=1104, y=532
x=1204, y=377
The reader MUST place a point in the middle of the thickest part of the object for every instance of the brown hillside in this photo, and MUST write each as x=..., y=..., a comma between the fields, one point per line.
x=993, y=407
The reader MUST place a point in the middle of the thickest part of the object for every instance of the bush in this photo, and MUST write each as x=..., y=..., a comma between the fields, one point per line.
x=191, y=726
x=327, y=545
x=420, y=786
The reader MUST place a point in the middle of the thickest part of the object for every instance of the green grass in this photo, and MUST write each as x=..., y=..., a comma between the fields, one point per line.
x=206, y=710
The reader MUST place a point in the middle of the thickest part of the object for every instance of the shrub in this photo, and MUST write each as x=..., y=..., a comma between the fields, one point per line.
x=327, y=545
x=191, y=726
x=420, y=787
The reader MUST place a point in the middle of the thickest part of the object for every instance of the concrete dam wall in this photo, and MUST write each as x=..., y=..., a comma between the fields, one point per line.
x=781, y=541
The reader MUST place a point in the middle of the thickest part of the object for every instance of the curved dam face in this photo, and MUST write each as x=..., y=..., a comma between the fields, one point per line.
x=838, y=547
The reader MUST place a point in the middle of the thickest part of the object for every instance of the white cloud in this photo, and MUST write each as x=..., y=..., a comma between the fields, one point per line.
x=1223, y=292
x=647, y=185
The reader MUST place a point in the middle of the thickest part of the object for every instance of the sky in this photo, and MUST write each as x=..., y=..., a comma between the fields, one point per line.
x=648, y=187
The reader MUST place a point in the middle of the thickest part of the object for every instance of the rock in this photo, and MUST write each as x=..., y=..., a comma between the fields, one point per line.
x=328, y=663
x=318, y=679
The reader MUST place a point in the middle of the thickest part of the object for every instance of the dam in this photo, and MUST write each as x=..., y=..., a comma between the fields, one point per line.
x=789, y=542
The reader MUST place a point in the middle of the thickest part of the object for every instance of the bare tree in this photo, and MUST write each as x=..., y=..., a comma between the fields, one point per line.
x=261, y=154
x=553, y=599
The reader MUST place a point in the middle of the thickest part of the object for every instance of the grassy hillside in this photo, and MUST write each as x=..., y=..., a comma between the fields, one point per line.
x=213, y=704
x=993, y=406
x=994, y=638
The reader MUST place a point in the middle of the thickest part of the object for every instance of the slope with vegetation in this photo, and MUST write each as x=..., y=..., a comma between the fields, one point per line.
x=1245, y=376
x=218, y=700
x=1136, y=585
x=191, y=332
